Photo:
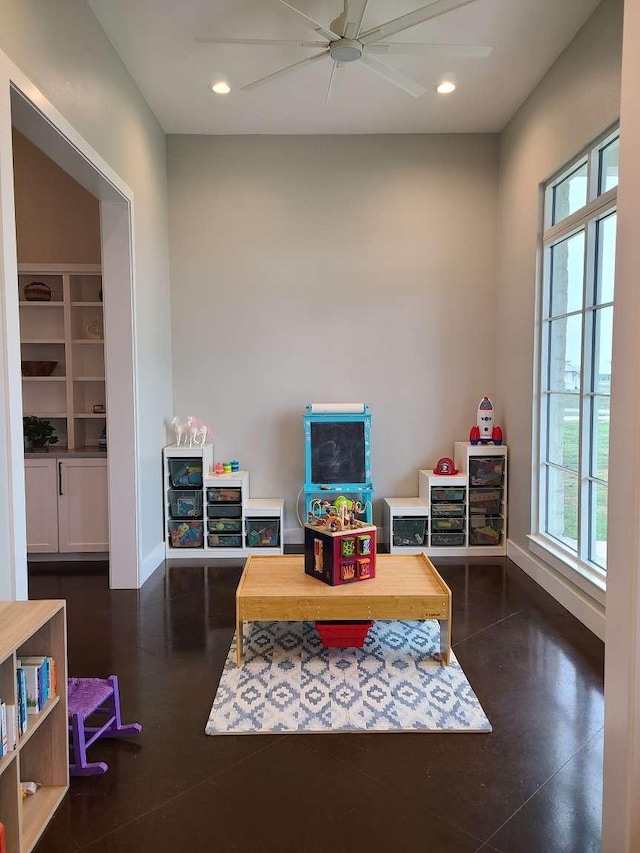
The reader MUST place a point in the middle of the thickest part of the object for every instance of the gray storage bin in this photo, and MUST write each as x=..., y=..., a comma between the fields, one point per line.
x=485, y=530
x=224, y=525
x=447, y=510
x=447, y=539
x=447, y=525
x=409, y=531
x=225, y=540
x=224, y=511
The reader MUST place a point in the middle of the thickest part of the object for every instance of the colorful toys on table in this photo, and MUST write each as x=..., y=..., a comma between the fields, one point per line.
x=484, y=431
x=338, y=548
x=218, y=468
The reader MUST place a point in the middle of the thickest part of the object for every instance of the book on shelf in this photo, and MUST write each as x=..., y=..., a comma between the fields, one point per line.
x=40, y=676
x=4, y=741
x=12, y=728
x=21, y=701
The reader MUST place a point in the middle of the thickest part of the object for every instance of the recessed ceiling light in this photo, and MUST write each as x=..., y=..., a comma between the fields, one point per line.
x=221, y=87
x=446, y=87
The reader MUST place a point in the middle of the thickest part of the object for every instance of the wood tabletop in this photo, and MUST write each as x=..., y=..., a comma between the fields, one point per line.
x=282, y=576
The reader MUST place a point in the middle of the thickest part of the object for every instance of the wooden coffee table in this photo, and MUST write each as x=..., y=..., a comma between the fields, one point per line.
x=406, y=586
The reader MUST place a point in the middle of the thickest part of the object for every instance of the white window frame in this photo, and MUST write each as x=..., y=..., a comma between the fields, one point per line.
x=587, y=575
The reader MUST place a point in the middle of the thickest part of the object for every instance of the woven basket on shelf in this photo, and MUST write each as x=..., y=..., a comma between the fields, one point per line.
x=37, y=291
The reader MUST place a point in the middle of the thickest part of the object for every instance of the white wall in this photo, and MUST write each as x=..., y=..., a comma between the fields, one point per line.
x=621, y=818
x=577, y=100
x=57, y=220
x=63, y=50
x=333, y=268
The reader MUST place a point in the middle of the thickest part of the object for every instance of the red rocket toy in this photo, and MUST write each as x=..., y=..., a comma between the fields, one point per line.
x=483, y=431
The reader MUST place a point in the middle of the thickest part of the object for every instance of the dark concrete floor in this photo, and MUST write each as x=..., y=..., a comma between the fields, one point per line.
x=534, y=784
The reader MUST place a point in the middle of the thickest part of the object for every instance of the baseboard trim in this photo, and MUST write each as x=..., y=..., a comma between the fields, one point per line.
x=577, y=602
x=151, y=563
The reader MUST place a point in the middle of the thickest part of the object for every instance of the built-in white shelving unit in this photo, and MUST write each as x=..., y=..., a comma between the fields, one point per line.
x=68, y=329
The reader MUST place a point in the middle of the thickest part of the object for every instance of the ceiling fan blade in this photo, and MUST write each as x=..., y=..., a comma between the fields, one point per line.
x=426, y=13
x=337, y=73
x=466, y=50
x=354, y=16
x=215, y=40
x=393, y=76
x=295, y=67
x=314, y=25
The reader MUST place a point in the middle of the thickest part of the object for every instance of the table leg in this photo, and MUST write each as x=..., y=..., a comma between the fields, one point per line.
x=239, y=639
x=445, y=641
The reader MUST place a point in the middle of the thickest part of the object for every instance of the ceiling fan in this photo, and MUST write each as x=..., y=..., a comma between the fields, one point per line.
x=346, y=42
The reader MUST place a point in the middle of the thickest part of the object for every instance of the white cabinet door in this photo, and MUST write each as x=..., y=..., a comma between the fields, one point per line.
x=83, y=507
x=41, y=488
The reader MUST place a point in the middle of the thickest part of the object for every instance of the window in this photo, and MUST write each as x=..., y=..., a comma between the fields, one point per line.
x=575, y=356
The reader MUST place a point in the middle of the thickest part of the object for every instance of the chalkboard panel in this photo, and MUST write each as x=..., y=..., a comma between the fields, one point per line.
x=337, y=452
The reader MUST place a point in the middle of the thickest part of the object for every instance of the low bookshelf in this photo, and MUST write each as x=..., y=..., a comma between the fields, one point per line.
x=27, y=629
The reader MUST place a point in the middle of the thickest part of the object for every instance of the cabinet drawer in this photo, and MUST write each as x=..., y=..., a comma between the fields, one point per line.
x=185, y=504
x=185, y=472
x=454, y=494
x=447, y=525
x=263, y=532
x=409, y=531
x=224, y=540
x=224, y=511
x=225, y=525
x=220, y=494
x=447, y=510
x=485, y=501
x=447, y=539
x=186, y=534
x=486, y=470
x=485, y=530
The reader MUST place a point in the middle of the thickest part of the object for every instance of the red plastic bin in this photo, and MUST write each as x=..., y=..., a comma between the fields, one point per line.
x=343, y=635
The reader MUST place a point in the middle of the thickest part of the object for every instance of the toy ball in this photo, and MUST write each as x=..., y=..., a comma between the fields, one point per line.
x=445, y=466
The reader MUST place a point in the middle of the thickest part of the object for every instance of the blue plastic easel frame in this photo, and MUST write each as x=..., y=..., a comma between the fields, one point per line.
x=313, y=490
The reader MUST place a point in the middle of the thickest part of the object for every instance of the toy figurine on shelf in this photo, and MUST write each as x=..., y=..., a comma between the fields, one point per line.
x=484, y=431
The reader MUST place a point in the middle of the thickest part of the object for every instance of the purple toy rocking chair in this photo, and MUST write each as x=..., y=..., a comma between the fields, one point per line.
x=87, y=696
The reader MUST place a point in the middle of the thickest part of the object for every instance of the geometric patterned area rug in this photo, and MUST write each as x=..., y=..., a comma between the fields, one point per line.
x=289, y=683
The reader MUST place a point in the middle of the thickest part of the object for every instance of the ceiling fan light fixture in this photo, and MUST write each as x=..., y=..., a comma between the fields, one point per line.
x=220, y=87
x=445, y=87
x=346, y=50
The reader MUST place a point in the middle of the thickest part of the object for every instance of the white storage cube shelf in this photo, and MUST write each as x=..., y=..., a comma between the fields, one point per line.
x=213, y=515
x=465, y=513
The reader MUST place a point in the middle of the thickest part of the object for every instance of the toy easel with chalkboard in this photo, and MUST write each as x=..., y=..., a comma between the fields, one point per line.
x=338, y=455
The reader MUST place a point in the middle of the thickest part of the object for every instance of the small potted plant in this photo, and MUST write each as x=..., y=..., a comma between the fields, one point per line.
x=39, y=434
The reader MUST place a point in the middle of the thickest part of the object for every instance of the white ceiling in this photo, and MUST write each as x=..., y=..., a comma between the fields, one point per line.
x=156, y=41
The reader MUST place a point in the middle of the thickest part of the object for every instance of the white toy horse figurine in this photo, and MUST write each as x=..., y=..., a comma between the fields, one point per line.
x=197, y=430
x=180, y=430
